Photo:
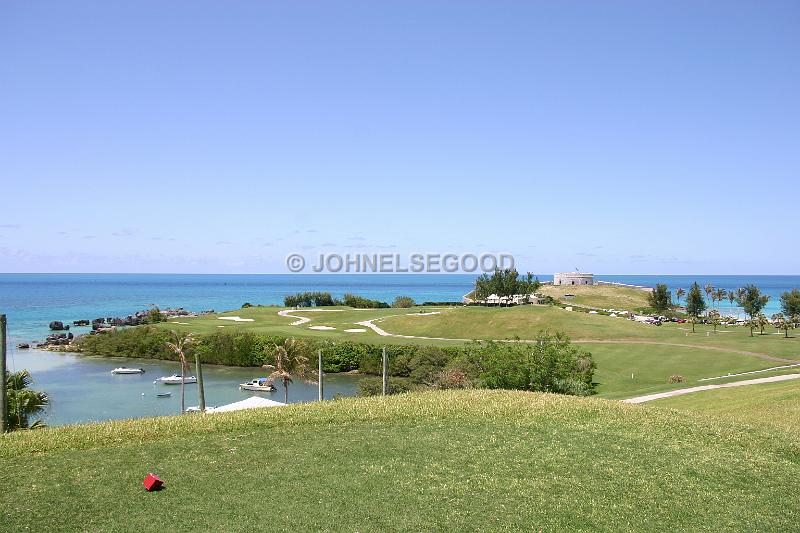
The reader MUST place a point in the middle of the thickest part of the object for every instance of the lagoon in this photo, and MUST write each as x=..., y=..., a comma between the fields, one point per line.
x=82, y=388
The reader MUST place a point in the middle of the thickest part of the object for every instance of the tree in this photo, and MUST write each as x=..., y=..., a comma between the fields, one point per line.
x=679, y=294
x=720, y=295
x=790, y=303
x=731, y=299
x=179, y=345
x=506, y=283
x=782, y=323
x=751, y=300
x=714, y=318
x=289, y=364
x=751, y=323
x=709, y=288
x=762, y=320
x=660, y=298
x=695, y=304
x=23, y=403
x=403, y=302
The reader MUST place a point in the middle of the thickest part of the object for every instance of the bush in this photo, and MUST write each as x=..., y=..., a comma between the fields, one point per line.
x=310, y=299
x=403, y=302
x=550, y=364
x=363, y=303
x=676, y=378
x=372, y=386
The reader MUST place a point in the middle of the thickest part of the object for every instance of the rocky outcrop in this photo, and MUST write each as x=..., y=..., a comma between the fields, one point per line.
x=57, y=325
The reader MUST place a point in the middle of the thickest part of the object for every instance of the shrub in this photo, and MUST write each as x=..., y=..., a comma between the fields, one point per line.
x=363, y=303
x=676, y=378
x=372, y=386
x=310, y=299
x=453, y=378
x=403, y=302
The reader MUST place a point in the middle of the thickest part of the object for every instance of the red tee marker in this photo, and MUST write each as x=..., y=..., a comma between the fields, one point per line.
x=152, y=482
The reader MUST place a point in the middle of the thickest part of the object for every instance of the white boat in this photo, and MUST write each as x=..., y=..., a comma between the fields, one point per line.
x=258, y=384
x=126, y=370
x=175, y=379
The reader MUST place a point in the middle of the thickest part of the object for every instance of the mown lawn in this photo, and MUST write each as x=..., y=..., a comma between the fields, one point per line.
x=770, y=404
x=434, y=461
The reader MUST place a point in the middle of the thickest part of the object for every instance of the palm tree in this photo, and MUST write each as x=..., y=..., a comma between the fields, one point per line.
x=23, y=403
x=679, y=294
x=290, y=364
x=710, y=293
x=713, y=317
x=762, y=320
x=721, y=294
x=731, y=299
x=181, y=344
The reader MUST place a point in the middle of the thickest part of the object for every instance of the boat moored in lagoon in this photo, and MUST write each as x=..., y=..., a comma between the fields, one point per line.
x=175, y=379
x=258, y=384
x=126, y=370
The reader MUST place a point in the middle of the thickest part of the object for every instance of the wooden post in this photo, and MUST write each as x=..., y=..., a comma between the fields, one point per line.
x=320, y=376
x=3, y=382
x=201, y=389
x=385, y=387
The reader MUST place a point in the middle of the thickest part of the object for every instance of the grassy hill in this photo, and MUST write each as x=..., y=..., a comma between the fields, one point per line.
x=600, y=296
x=433, y=461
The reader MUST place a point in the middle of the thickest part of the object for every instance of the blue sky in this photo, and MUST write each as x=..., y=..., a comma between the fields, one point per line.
x=205, y=136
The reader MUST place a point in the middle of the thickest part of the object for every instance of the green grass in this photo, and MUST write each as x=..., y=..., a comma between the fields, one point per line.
x=600, y=296
x=624, y=371
x=434, y=461
x=622, y=348
x=770, y=404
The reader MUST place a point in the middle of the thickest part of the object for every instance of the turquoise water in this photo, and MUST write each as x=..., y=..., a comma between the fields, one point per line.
x=82, y=389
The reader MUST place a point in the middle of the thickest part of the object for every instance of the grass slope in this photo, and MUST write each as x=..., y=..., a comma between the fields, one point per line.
x=434, y=461
x=772, y=404
x=601, y=296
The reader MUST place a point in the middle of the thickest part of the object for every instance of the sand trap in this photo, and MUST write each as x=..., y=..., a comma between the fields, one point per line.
x=321, y=328
x=235, y=319
x=181, y=323
x=355, y=330
x=220, y=326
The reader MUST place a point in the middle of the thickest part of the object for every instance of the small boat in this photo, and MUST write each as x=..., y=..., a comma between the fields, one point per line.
x=258, y=384
x=164, y=394
x=126, y=370
x=175, y=379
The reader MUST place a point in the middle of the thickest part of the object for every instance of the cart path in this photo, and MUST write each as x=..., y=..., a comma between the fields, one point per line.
x=679, y=392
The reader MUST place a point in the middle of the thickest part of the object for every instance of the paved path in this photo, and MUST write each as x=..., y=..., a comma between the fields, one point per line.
x=669, y=394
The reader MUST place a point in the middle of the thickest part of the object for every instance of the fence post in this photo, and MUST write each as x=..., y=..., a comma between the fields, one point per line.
x=320, y=376
x=3, y=382
x=385, y=387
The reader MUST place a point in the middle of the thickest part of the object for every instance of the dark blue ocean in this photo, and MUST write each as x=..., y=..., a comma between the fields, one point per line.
x=31, y=301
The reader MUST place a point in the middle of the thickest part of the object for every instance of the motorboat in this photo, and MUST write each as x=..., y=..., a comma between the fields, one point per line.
x=175, y=379
x=126, y=370
x=258, y=384
x=164, y=394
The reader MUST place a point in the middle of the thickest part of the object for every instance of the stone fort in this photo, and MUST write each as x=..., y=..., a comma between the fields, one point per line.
x=573, y=278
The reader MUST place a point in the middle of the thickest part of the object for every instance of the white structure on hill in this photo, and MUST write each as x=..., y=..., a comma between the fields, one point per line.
x=573, y=278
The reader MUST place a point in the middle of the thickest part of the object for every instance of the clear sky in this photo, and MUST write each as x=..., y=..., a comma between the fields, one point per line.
x=206, y=136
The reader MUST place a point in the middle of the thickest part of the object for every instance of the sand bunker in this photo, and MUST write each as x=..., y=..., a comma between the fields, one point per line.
x=321, y=328
x=355, y=330
x=235, y=319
